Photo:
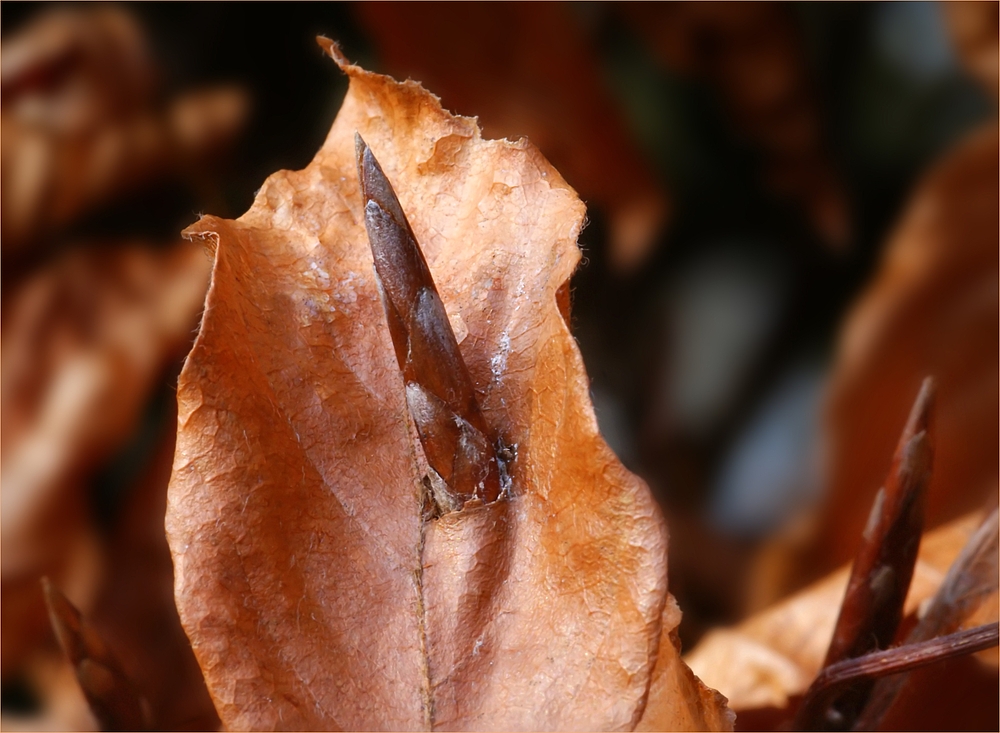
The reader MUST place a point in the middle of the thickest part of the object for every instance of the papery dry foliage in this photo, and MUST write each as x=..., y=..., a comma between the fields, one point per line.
x=313, y=590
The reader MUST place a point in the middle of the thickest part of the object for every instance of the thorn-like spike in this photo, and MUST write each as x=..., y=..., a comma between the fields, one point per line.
x=883, y=567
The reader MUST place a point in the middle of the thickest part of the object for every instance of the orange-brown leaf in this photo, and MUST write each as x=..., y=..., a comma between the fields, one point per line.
x=315, y=593
x=80, y=127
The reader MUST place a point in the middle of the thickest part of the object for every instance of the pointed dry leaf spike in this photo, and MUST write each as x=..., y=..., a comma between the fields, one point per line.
x=971, y=578
x=849, y=672
x=110, y=694
x=880, y=577
x=439, y=391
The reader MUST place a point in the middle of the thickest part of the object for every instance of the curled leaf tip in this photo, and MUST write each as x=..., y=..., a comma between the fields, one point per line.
x=332, y=49
x=458, y=444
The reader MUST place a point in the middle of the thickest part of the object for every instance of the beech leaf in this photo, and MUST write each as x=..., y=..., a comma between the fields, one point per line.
x=314, y=588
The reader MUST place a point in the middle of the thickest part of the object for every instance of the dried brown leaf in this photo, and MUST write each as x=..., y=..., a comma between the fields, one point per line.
x=72, y=69
x=81, y=126
x=672, y=678
x=313, y=590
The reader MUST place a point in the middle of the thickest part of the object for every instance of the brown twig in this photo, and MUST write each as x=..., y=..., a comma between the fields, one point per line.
x=846, y=674
x=439, y=391
x=880, y=577
x=109, y=692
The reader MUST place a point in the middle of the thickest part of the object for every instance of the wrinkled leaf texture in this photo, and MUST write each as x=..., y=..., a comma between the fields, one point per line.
x=313, y=592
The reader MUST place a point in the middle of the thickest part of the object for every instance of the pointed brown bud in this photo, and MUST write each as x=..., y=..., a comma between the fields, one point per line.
x=883, y=567
x=439, y=393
